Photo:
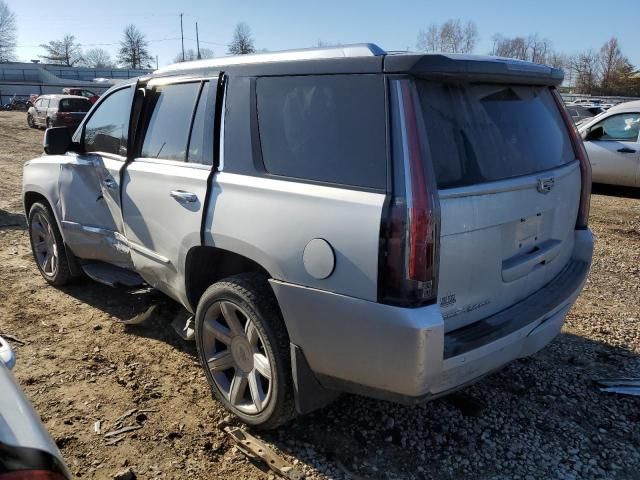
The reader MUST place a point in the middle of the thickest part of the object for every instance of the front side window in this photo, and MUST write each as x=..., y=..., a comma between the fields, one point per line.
x=328, y=128
x=108, y=128
x=171, y=108
x=45, y=103
x=623, y=127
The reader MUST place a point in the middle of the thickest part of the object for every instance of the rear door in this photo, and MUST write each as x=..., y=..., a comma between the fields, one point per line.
x=615, y=153
x=509, y=187
x=41, y=112
x=165, y=185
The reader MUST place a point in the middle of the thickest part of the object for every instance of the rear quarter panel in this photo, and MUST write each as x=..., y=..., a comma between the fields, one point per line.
x=271, y=221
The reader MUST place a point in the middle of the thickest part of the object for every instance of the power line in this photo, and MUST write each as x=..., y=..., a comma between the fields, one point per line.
x=106, y=44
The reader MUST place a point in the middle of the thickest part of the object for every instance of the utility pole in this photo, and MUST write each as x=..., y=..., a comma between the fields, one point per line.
x=198, y=42
x=182, y=36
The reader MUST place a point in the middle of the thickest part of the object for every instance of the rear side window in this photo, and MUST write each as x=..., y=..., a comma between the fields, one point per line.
x=324, y=128
x=74, y=105
x=107, y=130
x=168, y=130
x=487, y=132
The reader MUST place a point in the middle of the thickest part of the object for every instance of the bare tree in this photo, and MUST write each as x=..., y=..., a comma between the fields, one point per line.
x=612, y=65
x=584, y=68
x=63, y=52
x=7, y=33
x=190, y=54
x=532, y=48
x=134, y=49
x=242, y=42
x=97, y=58
x=450, y=37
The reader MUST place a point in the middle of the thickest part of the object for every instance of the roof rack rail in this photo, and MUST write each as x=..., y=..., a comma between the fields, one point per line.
x=341, y=51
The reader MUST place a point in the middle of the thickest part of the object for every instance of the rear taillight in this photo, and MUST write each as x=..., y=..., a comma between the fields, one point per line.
x=582, y=222
x=31, y=475
x=409, y=234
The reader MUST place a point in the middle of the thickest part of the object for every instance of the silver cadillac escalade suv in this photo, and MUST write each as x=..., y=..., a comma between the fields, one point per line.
x=337, y=220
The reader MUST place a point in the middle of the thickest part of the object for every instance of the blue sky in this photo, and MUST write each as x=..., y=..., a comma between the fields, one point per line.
x=571, y=25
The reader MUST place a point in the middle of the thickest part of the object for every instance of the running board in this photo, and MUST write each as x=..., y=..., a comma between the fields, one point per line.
x=112, y=275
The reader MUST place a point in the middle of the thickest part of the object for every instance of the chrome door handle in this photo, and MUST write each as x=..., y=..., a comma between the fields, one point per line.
x=184, y=197
x=109, y=183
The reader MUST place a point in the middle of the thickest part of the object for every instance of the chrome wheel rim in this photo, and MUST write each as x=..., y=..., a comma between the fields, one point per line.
x=236, y=357
x=44, y=245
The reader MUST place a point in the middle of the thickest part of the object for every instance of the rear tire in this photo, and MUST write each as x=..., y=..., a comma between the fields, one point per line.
x=49, y=125
x=243, y=347
x=47, y=245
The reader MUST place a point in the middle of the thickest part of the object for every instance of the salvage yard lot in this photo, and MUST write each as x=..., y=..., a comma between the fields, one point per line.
x=541, y=417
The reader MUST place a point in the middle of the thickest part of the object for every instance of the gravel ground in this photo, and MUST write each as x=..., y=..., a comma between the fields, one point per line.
x=538, y=418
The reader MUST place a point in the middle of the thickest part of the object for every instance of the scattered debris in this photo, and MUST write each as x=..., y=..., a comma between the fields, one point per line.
x=13, y=338
x=116, y=440
x=254, y=448
x=127, y=474
x=117, y=423
x=97, y=428
x=141, y=317
x=184, y=325
x=623, y=386
x=129, y=428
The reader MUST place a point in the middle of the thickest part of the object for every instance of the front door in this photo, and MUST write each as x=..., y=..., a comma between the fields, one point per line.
x=165, y=185
x=615, y=152
x=90, y=183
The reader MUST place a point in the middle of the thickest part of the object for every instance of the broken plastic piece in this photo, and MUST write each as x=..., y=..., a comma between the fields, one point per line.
x=254, y=448
x=623, y=386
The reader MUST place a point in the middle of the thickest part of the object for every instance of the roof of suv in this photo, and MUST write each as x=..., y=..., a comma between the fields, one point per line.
x=369, y=58
x=61, y=96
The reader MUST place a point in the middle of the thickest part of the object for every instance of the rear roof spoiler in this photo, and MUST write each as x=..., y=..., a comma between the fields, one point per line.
x=473, y=68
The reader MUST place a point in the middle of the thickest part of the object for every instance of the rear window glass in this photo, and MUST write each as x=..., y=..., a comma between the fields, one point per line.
x=487, y=132
x=168, y=129
x=74, y=105
x=324, y=128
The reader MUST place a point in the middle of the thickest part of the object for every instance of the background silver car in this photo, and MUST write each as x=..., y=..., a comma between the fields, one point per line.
x=612, y=143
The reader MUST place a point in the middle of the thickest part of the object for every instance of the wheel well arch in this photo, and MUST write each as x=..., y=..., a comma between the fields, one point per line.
x=206, y=265
x=32, y=197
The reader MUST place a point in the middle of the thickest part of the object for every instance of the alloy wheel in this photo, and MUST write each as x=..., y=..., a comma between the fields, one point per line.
x=236, y=356
x=44, y=245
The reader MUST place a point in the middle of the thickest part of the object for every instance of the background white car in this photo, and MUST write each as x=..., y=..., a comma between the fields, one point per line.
x=611, y=140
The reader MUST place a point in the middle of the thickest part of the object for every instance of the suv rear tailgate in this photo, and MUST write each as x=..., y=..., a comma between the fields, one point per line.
x=509, y=188
x=502, y=241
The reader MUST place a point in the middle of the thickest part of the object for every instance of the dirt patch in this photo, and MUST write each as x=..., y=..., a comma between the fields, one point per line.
x=539, y=418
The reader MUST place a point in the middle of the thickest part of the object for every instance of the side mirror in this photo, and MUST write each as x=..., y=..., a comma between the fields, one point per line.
x=6, y=354
x=57, y=141
x=594, y=133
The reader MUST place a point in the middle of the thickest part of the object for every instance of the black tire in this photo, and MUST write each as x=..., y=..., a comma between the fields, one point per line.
x=49, y=123
x=61, y=275
x=30, y=121
x=252, y=293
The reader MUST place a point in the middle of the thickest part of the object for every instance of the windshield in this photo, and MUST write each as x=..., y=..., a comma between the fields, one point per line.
x=486, y=132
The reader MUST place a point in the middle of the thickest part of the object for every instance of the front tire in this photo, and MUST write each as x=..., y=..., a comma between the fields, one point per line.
x=47, y=245
x=243, y=347
x=30, y=121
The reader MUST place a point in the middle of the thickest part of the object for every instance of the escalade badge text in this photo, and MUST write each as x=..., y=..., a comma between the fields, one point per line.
x=545, y=184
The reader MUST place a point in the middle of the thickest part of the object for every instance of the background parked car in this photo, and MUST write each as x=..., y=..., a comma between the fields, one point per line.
x=81, y=92
x=58, y=111
x=26, y=449
x=611, y=140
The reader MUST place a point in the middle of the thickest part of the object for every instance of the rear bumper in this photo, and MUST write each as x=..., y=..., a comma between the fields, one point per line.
x=403, y=354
